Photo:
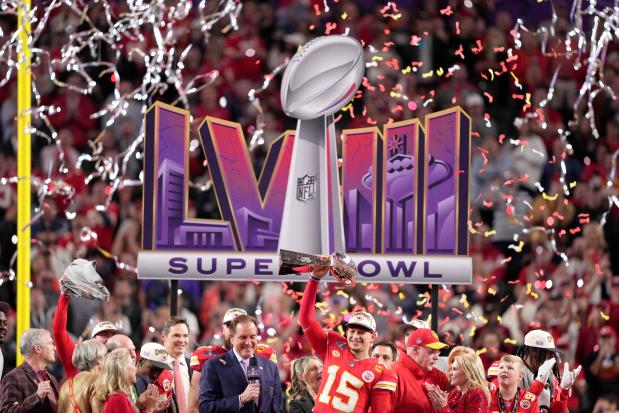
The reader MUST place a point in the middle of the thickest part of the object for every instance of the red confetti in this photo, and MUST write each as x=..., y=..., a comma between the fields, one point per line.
x=412, y=105
x=479, y=48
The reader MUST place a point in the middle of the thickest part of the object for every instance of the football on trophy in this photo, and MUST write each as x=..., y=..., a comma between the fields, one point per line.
x=322, y=77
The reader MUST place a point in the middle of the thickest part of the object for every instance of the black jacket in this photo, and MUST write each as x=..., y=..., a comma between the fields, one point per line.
x=303, y=404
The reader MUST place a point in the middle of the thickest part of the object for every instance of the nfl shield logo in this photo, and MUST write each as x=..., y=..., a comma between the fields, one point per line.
x=306, y=188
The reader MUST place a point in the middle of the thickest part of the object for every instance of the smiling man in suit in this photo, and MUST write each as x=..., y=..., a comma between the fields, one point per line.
x=227, y=384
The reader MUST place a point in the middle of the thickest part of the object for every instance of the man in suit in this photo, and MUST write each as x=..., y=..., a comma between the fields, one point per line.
x=224, y=386
x=29, y=387
x=175, y=338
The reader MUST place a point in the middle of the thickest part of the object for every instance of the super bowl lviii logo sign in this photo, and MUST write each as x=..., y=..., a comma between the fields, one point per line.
x=398, y=205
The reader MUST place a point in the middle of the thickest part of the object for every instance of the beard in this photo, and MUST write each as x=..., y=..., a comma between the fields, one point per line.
x=227, y=343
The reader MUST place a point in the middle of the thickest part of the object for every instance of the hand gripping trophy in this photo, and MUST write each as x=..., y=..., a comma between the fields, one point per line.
x=320, y=79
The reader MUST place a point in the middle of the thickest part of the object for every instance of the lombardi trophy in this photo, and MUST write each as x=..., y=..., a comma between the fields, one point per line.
x=320, y=79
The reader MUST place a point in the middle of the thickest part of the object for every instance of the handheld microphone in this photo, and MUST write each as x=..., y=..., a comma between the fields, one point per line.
x=253, y=371
x=253, y=375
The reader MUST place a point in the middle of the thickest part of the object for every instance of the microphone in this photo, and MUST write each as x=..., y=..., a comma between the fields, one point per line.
x=253, y=375
x=253, y=371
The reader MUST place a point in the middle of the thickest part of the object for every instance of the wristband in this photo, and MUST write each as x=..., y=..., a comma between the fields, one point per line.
x=314, y=278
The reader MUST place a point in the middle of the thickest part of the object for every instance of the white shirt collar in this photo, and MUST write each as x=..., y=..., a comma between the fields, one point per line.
x=238, y=356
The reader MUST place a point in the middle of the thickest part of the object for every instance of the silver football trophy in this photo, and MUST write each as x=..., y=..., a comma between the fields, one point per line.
x=320, y=79
x=80, y=279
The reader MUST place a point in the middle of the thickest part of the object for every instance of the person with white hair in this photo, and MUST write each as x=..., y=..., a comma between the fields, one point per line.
x=30, y=387
x=78, y=391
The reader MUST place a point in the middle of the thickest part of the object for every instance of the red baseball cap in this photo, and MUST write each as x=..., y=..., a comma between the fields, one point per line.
x=425, y=337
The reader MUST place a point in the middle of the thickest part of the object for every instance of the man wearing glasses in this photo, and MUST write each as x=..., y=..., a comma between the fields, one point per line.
x=422, y=351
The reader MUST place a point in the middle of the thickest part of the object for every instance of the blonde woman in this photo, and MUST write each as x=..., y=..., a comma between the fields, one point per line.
x=306, y=373
x=113, y=387
x=470, y=394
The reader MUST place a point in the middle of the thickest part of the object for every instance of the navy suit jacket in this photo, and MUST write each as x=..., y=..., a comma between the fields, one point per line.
x=223, y=380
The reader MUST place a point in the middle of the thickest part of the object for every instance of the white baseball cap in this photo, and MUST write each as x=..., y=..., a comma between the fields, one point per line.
x=103, y=326
x=540, y=339
x=363, y=319
x=156, y=354
x=233, y=313
x=413, y=325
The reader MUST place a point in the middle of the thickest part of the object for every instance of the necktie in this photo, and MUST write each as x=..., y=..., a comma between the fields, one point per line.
x=180, y=388
x=245, y=363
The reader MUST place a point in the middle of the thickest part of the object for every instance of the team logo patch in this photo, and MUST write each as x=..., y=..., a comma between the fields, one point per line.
x=306, y=188
x=529, y=396
x=341, y=344
x=367, y=376
x=525, y=404
x=167, y=384
x=335, y=353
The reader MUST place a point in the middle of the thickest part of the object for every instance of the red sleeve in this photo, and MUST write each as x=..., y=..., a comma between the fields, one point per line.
x=382, y=395
x=536, y=388
x=559, y=402
x=62, y=340
x=117, y=403
x=311, y=328
x=381, y=401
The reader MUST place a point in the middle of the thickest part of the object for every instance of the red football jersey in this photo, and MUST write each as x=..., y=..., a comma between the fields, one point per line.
x=347, y=383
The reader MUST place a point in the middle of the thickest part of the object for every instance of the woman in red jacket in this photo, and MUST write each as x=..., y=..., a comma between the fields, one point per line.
x=470, y=394
x=113, y=387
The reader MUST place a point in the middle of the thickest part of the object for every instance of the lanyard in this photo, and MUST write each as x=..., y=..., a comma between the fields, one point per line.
x=72, y=397
x=502, y=402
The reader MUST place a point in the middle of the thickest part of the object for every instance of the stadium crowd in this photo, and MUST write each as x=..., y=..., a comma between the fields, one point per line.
x=553, y=296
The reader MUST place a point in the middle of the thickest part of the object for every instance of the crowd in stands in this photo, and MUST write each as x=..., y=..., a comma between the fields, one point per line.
x=563, y=278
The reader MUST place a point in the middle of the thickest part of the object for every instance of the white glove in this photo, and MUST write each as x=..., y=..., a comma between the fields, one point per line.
x=545, y=370
x=569, y=377
x=544, y=398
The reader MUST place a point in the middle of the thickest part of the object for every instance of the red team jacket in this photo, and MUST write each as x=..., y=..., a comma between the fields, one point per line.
x=410, y=394
x=347, y=385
